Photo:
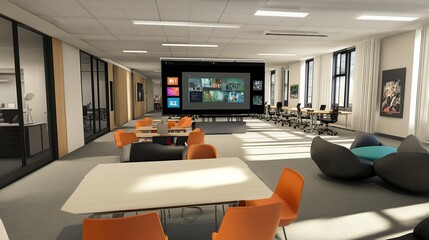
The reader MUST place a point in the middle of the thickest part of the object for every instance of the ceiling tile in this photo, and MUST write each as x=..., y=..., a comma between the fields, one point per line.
x=107, y=13
x=136, y=14
x=70, y=11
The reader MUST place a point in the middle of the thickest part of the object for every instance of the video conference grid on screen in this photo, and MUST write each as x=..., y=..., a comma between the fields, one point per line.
x=215, y=90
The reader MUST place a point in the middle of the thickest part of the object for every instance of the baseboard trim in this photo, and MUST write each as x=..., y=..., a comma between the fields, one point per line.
x=388, y=136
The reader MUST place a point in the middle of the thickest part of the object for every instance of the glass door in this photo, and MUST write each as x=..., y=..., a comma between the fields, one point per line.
x=10, y=124
x=94, y=97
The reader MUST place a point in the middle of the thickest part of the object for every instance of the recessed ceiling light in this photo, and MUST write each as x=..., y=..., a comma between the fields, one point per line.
x=184, y=24
x=386, y=18
x=280, y=14
x=134, y=51
x=276, y=54
x=188, y=45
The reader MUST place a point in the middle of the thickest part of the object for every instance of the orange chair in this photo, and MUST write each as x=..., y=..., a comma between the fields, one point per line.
x=126, y=138
x=250, y=223
x=184, y=122
x=141, y=227
x=171, y=124
x=288, y=192
x=195, y=138
x=200, y=151
x=117, y=139
x=196, y=130
x=147, y=122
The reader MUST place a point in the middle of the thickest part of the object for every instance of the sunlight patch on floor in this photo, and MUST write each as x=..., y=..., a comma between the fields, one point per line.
x=366, y=225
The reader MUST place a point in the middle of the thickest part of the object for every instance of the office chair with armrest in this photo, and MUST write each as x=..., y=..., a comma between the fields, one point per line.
x=278, y=116
x=333, y=118
x=250, y=223
x=300, y=117
x=271, y=113
x=140, y=227
x=262, y=116
x=289, y=117
x=287, y=192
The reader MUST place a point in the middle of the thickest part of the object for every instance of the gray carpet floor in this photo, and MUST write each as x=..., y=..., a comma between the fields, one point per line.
x=330, y=209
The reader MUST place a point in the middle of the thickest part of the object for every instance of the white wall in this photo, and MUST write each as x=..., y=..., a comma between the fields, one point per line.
x=279, y=83
x=295, y=75
x=73, y=97
x=396, y=52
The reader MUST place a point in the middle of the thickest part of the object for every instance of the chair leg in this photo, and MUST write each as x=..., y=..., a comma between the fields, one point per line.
x=284, y=232
x=215, y=217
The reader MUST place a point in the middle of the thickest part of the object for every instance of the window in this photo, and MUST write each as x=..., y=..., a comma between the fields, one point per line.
x=309, y=73
x=343, y=77
x=272, y=87
x=286, y=88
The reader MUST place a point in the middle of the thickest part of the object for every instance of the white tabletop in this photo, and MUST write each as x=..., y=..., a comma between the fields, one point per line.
x=120, y=187
x=3, y=233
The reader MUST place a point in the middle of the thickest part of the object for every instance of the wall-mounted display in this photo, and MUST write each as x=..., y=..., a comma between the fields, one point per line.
x=257, y=85
x=173, y=102
x=172, y=81
x=392, y=93
x=257, y=100
x=173, y=91
x=294, y=90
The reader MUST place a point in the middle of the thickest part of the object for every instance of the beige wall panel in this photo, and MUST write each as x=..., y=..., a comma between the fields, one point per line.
x=57, y=49
x=120, y=98
x=139, y=107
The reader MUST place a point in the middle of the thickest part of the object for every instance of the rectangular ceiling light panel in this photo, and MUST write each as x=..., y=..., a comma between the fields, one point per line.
x=184, y=24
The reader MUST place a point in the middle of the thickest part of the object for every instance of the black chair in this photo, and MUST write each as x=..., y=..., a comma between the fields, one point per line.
x=412, y=144
x=300, y=117
x=366, y=139
x=278, y=116
x=271, y=113
x=142, y=152
x=420, y=232
x=339, y=162
x=406, y=170
x=333, y=118
x=288, y=117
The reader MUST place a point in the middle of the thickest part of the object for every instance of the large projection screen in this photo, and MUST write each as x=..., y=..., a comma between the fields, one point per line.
x=212, y=87
x=211, y=90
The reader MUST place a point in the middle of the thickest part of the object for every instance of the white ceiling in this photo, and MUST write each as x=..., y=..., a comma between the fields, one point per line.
x=107, y=26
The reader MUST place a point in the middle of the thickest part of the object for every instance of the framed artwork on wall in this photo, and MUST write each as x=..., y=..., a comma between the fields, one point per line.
x=140, y=95
x=392, y=93
x=294, y=91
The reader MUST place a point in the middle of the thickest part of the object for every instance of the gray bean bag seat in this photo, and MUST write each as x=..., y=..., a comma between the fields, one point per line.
x=366, y=139
x=338, y=162
x=420, y=232
x=146, y=151
x=405, y=170
x=412, y=144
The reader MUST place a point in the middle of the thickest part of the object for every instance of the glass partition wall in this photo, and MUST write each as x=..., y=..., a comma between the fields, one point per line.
x=26, y=124
x=94, y=96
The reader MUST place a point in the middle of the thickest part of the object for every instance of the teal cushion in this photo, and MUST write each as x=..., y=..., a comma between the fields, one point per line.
x=373, y=152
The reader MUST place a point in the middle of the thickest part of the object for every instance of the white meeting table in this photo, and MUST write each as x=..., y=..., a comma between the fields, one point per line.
x=122, y=187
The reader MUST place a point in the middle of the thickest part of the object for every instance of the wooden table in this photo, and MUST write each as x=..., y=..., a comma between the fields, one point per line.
x=121, y=187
